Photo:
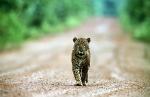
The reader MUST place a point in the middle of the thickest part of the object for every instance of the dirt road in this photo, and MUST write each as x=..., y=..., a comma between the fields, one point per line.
x=43, y=68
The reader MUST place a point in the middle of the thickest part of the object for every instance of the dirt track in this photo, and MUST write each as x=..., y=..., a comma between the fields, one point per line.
x=43, y=68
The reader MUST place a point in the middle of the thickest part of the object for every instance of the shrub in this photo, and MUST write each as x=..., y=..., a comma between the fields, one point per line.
x=24, y=19
x=136, y=18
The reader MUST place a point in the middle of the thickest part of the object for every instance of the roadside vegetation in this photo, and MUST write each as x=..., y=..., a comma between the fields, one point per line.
x=21, y=20
x=135, y=17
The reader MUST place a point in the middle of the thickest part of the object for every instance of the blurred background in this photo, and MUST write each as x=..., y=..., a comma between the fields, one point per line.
x=36, y=45
x=21, y=20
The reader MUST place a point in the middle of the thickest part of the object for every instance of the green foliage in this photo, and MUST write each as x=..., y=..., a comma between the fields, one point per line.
x=11, y=30
x=136, y=18
x=25, y=19
x=106, y=7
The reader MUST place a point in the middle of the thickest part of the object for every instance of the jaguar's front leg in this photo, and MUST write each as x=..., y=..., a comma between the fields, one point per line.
x=84, y=75
x=76, y=72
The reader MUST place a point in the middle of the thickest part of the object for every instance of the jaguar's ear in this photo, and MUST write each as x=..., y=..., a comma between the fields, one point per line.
x=88, y=39
x=74, y=39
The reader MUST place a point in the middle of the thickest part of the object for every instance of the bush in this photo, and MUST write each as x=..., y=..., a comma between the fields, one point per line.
x=11, y=30
x=24, y=19
x=136, y=18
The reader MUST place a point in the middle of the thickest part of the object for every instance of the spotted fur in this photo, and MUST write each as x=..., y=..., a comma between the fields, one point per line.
x=81, y=60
